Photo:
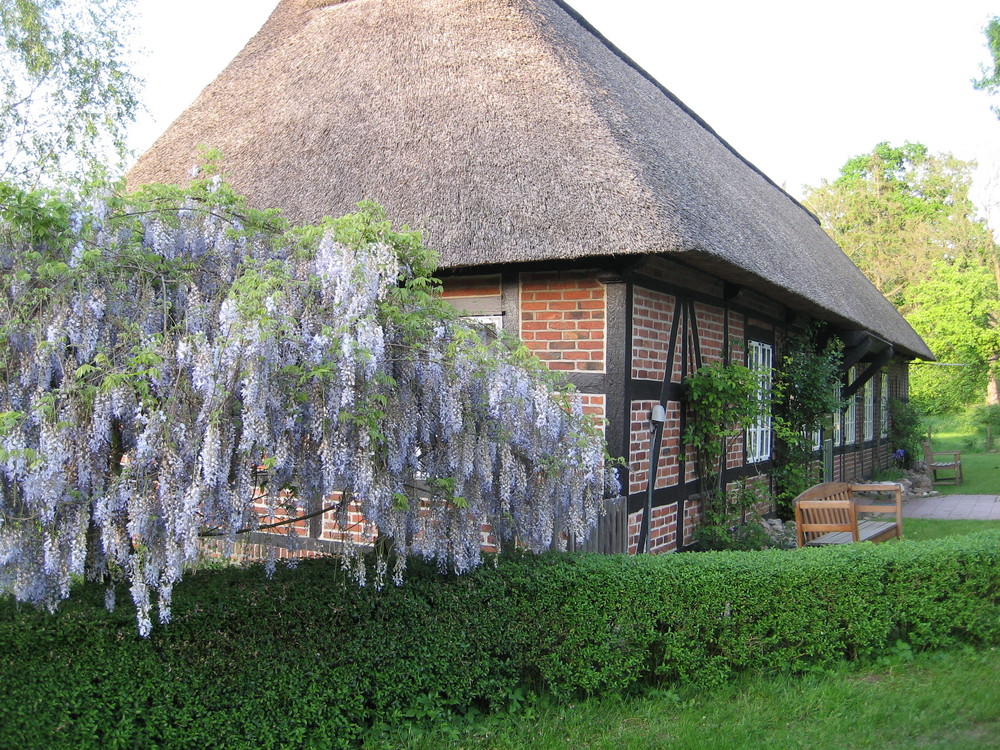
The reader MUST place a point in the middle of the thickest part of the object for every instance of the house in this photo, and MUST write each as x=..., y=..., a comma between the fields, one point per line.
x=573, y=199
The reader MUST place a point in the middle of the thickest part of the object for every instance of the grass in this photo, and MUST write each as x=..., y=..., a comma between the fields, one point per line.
x=920, y=529
x=980, y=469
x=933, y=700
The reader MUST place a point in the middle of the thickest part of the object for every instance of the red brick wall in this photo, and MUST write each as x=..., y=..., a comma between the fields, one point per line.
x=711, y=327
x=652, y=315
x=563, y=319
x=357, y=530
x=641, y=445
x=663, y=534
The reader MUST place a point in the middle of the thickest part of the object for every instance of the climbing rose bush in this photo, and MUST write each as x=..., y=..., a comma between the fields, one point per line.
x=168, y=358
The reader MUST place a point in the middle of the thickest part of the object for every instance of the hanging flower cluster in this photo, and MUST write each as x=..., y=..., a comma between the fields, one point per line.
x=161, y=368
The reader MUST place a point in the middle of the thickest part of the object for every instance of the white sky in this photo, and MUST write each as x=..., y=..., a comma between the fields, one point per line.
x=796, y=86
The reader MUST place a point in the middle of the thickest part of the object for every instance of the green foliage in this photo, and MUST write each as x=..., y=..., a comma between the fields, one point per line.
x=906, y=430
x=904, y=216
x=983, y=417
x=805, y=395
x=724, y=403
x=942, y=699
x=733, y=521
x=307, y=659
x=896, y=210
x=956, y=310
x=66, y=95
x=990, y=79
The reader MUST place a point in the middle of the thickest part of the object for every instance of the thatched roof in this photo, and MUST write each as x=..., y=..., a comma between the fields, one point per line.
x=510, y=131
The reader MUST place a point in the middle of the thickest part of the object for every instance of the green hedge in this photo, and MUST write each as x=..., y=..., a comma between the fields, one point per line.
x=307, y=659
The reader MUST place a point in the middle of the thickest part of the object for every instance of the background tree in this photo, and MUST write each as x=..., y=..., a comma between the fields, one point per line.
x=169, y=360
x=904, y=216
x=957, y=310
x=990, y=79
x=67, y=94
x=896, y=210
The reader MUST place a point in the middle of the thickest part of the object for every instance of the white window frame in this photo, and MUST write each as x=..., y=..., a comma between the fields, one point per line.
x=838, y=420
x=851, y=412
x=492, y=324
x=869, y=402
x=884, y=404
x=760, y=359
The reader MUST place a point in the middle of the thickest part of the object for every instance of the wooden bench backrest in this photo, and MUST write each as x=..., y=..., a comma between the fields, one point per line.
x=827, y=491
x=824, y=508
x=814, y=518
x=831, y=507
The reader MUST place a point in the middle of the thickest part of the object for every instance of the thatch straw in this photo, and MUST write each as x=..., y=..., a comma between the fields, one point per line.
x=510, y=131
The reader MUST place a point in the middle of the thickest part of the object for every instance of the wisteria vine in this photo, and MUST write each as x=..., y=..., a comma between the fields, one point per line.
x=166, y=358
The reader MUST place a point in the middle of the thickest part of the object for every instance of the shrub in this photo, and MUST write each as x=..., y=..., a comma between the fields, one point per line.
x=906, y=430
x=309, y=659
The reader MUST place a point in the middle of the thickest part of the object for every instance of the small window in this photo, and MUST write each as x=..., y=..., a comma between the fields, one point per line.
x=838, y=421
x=869, y=401
x=851, y=412
x=492, y=325
x=883, y=392
x=760, y=359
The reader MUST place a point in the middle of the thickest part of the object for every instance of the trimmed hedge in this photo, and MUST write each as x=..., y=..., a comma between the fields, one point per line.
x=307, y=659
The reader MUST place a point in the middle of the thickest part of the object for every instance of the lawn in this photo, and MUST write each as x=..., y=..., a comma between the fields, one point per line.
x=980, y=469
x=919, y=529
x=933, y=700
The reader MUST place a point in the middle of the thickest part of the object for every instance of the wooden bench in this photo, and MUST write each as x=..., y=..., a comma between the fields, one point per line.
x=934, y=465
x=828, y=514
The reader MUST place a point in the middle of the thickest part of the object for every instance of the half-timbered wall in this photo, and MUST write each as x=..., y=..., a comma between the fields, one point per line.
x=681, y=317
x=627, y=338
x=861, y=458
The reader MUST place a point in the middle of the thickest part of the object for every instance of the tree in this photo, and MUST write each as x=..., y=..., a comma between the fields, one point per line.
x=67, y=95
x=904, y=217
x=897, y=209
x=957, y=311
x=990, y=79
x=165, y=358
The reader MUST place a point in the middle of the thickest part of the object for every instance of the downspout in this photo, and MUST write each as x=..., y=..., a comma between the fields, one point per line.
x=656, y=419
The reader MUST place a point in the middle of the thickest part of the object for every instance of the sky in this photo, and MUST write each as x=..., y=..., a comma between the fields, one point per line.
x=797, y=87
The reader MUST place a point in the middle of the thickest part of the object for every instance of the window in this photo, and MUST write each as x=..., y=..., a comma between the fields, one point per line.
x=492, y=325
x=883, y=392
x=851, y=412
x=760, y=359
x=817, y=438
x=838, y=421
x=869, y=401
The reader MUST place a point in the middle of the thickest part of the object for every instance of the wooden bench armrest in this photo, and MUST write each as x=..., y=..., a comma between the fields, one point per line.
x=871, y=507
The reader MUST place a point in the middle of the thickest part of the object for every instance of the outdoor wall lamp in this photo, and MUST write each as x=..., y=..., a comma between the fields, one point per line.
x=658, y=416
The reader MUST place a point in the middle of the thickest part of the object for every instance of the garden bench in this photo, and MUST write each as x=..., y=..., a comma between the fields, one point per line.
x=828, y=513
x=934, y=465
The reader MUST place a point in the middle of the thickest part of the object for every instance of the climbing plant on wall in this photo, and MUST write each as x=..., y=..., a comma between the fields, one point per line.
x=723, y=401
